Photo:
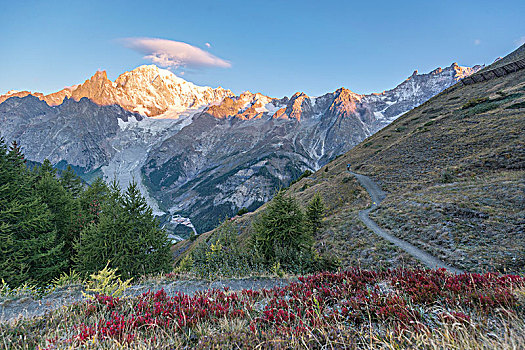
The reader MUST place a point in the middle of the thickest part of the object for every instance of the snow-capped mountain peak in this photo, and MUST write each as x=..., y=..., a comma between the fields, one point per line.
x=147, y=90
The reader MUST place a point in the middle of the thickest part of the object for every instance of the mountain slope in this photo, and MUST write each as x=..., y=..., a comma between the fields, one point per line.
x=207, y=153
x=51, y=132
x=237, y=153
x=453, y=169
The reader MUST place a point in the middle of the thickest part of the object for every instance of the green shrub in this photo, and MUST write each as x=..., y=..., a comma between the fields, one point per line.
x=242, y=211
x=306, y=173
x=185, y=265
x=315, y=212
x=67, y=279
x=516, y=105
x=221, y=256
x=474, y=102
x=127, y=234
x=282, y=224
x=447, y=176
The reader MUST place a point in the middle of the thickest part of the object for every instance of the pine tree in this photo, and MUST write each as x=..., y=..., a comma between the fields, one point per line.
x=28, y=243
x=91, y=201
x=315, y=212
x=126, y=234
x=71, y=182
x=148, y=243
x=281, y=228
x=65, y=209
x=100, y=240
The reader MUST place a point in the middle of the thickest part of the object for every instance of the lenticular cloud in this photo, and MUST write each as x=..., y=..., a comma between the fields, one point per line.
x=169, y=53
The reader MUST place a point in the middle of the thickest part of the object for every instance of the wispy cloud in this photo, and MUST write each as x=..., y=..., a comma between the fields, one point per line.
x=174, y=54
x=208, y=45
x=477, y=42
x=520, y=41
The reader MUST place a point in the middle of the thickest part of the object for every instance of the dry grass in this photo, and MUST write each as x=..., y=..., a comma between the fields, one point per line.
x=352, y=310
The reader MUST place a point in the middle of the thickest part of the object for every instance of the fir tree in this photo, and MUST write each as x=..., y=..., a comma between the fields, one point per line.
x=71, y=182
x=91, y=200
x=126, y=234
x=281, y=229
x=65, y=209
x=28, y=243
x=148, y=242
x=100, y=241
x=315, y=212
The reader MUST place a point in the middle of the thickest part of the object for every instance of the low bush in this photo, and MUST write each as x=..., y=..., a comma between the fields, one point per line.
x=351, y=309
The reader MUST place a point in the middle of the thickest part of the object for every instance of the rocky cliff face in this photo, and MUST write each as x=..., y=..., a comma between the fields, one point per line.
x=78, y=133
x=208, y=152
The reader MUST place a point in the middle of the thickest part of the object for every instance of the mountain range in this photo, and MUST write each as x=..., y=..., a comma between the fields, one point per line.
x=201, y=152
x=452, y=170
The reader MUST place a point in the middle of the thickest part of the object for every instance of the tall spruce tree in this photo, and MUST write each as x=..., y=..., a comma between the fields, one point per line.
x=281, y=228
x=126, y=234
x=28, y=243
x=315, y=212
x=64, y=207
x=148, y=242
x=71, y=182
x=100, y=240
x=91, y=200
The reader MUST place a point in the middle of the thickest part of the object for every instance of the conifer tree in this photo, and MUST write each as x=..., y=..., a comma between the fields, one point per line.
x=100, y=241
x=71, y=182
x=281, y=227
x=126, y=234
x=28, y=243
x=148, y=244
x=315, y=212
x=91, y=200
x=64, y=208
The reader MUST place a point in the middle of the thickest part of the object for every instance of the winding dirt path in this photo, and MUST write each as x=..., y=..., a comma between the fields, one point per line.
x=377, y=195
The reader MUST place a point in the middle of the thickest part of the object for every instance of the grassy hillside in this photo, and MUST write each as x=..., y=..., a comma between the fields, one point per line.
x=454, y=169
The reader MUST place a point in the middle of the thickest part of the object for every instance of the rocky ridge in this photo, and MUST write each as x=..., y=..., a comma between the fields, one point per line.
x=239, y=152
x=147, y=90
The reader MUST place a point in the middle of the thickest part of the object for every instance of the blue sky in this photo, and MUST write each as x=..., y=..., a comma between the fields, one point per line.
x=273, y=47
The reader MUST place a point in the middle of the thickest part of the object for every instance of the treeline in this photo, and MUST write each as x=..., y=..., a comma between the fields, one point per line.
x=52, y=224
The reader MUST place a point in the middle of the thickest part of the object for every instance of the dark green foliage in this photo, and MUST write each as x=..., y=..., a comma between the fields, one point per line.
x=126, y=234
x=71, y=182
x=91, y=200
x=516, y=105
x=281, y=233
x=49, y=222
x=64, y=208
x=485, y=104
x=447, y=176
x=474, y=102
x=315, y=212
x=28, y=241
x=306, y=173
x=242, y=211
